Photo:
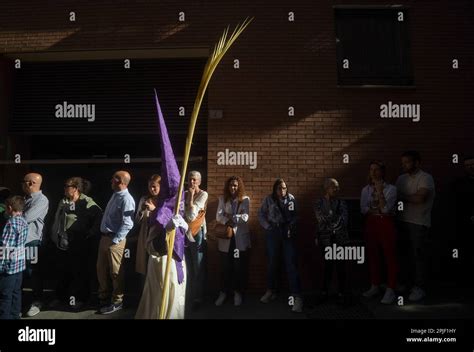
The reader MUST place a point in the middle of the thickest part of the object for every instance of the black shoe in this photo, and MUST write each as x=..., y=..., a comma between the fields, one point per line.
x=101, y=304
x=111, y=308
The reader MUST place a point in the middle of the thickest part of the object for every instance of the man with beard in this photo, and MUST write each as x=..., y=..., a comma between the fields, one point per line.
x=416, y=189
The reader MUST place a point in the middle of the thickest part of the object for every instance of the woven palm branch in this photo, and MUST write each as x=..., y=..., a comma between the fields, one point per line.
x=219, y=51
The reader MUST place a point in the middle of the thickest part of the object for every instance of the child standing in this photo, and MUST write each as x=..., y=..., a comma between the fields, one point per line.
x=12, y=258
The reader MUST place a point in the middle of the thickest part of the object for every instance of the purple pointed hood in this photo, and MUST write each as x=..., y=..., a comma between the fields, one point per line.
x=169, y=186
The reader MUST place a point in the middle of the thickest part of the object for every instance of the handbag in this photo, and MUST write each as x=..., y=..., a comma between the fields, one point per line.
x=196, y=224
x=221, y=230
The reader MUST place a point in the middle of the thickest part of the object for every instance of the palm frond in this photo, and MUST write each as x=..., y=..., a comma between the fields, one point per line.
x=218, y=53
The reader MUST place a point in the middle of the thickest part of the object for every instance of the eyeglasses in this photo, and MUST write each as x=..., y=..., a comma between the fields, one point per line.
x=69, y=186
x=28, y=182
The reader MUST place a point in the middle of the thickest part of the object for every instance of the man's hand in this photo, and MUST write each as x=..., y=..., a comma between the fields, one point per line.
x=149, y=205
x=190, y=196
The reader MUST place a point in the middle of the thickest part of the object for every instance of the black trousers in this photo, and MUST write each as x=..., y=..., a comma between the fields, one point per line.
x=73, y=274
x=234, y=266
x=329, y=266
x=413, y=253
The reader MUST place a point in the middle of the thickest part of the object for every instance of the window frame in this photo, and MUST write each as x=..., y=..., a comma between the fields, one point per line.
x=410, y=69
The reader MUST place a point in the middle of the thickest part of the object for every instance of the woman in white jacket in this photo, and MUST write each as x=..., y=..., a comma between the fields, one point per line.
x=233, y=210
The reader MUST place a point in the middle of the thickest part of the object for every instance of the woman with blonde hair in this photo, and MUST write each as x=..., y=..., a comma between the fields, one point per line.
x=377, y=203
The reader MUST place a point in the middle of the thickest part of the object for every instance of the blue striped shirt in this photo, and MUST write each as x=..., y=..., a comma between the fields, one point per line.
x=118, y=215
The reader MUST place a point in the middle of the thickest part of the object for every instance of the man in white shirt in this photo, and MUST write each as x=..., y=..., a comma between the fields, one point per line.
x=416, y=189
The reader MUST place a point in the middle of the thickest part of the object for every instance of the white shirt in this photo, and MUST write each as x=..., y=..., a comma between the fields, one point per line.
x=389, y=193
x=419, y=214
x=240, y=218
x=191, y=212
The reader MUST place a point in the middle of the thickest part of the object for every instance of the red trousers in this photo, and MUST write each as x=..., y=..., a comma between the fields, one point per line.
x=381, y=236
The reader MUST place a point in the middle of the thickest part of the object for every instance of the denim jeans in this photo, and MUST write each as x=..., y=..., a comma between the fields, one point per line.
x=195, y=254
x=10, y=296
x=276, y=242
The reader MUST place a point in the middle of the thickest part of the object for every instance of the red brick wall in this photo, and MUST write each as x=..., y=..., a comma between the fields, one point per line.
x=286, y=64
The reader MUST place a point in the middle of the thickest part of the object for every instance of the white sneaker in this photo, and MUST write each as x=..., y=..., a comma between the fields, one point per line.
x=220, y=300
x=297, y=305
x=371, y=292
x=416, y=294
x=237, y=299
x=389, y=297
x=268, y=296
x=35, y=308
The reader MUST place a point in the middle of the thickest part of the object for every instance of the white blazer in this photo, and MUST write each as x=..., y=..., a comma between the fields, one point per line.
x=241, y=229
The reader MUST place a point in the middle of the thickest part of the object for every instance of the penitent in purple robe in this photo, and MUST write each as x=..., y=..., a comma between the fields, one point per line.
x=169, y=186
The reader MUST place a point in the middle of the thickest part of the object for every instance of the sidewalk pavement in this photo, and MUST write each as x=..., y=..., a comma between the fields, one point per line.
x=447, y=303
